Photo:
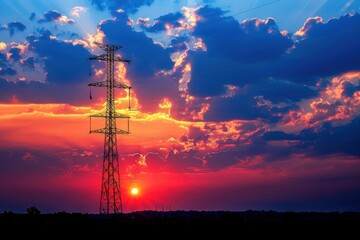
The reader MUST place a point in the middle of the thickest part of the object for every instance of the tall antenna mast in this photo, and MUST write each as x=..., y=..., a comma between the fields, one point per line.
x=110, y=200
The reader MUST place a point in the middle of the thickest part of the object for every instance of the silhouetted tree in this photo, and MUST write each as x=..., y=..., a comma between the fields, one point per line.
x=33, y=211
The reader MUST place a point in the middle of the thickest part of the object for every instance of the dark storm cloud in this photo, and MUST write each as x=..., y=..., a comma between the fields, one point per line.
x=26, y=161
x=325, y=49
x=7, y=71
x=37, y=92
x=324, y=141
x=278, y=136
x=130, y=6
x=241, y=50
x=252, y=40
x=52, y=16
x=66, y=68
x=32, y=16
x=184, y=160
x=332, y=140
x=2, y=57
x=172, y=19
x=283, y=91
x=15, y=54
x=16, y=27
x=178, y=44
x=49, y=16
x=28, y=63
x=27, y=91
x=235, y=52
x=349, y=89
x=13, y=27
x=64, y=62
x=251, y=102
x=144, y=53
x=5, y=68
x=262, y=146
x=148, y=59
x=265, y=62
x=241, y=106
x=230, y=152
x=274, y=146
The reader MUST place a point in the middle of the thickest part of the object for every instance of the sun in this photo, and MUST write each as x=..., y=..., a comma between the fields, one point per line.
x=134, y=191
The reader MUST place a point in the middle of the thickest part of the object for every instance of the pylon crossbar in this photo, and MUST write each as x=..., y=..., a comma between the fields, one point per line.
x=103, y=115
x=106, y=84
x=112, y=131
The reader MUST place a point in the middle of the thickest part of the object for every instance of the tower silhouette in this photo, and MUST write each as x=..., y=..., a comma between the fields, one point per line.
x=110, y=200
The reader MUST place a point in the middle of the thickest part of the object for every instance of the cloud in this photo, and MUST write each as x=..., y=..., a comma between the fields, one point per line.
x=13, y=27
x=224, y=86
x=5, y=68
x=251, y=41
x=170, y=20
x=349, y=89
x=37, y=92
x=15, y=54
x=279, y=136
x=7, y=71
x=77, y=10
x=324, y=141
x=64, y=62
x=3, y=46
x=129, y=6
x=323, y=49
x=239, y=48
x=149, y=65
x=338, y=101
x=64, y=66
x=55, y=16
x=28, y=63
x=32, y=16
x=332, y=139
x=259, y=61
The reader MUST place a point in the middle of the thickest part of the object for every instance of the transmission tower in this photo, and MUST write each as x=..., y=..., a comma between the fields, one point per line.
x=110, y=200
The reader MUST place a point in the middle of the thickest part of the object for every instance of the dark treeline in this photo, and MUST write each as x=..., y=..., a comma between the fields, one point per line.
x=33, y=216
x=183, y=225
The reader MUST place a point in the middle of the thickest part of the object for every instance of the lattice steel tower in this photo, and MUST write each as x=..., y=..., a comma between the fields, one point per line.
x=110, y=200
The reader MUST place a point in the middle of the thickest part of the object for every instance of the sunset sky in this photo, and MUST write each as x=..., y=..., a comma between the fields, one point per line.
x=237, y=105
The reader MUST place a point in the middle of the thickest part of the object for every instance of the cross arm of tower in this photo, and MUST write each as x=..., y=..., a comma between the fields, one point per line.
x=105, y=57
x=105, y=84
x=113, y=131
x=121, y=85
x=103, y=115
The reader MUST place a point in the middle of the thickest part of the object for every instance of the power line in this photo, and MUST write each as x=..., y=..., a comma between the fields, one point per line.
x=218, y=20
x=251, y=9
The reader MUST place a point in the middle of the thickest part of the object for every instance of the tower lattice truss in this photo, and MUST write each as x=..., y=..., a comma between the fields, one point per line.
x=110, y=200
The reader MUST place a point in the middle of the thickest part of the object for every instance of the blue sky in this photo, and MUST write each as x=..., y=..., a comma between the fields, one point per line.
x=239, y=104
x=290, y=14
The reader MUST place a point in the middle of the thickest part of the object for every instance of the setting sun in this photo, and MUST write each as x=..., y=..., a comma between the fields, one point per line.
x=134, y=191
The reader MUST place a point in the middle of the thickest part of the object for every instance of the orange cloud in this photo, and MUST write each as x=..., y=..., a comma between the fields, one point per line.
x=77, y=10
x=331, y=105
x=98, y=37
x=307, y=26
x=3, y=46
